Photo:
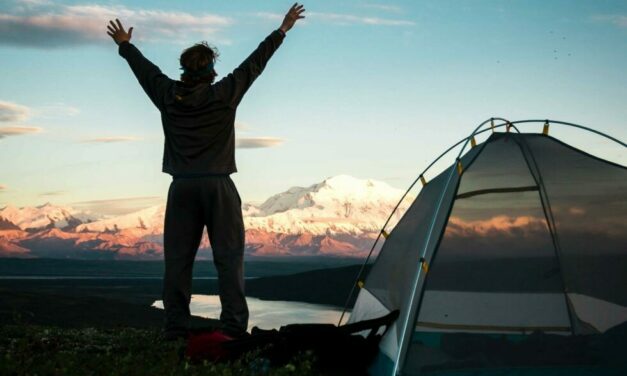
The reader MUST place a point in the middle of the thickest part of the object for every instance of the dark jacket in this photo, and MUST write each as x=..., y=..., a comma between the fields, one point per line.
x=198, y=121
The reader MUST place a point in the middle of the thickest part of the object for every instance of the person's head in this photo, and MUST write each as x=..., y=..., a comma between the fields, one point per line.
x=197, y=63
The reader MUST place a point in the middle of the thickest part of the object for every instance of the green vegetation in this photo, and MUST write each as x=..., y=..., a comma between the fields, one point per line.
x=45, y=350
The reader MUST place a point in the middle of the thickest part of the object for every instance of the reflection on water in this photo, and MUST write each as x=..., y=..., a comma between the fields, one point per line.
x=266, y=314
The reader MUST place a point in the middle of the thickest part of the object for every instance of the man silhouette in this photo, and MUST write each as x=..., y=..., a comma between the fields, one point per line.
x=198, y=119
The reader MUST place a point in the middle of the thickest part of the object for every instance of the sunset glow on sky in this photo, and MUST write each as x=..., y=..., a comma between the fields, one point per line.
x=370, y=89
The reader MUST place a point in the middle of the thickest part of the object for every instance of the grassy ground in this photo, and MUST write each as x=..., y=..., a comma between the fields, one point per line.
x=42, y=350
x=57, y=328
x=107, y=327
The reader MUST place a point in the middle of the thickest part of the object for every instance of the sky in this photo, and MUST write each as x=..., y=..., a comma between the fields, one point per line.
x=365, y=88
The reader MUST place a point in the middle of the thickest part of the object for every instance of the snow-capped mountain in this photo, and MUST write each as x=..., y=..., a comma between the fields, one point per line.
x=149, y=220
x=44, y=216
x=338, y=205
x=339, y=217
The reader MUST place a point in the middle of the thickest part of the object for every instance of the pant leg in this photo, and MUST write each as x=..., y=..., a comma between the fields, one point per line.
x=183, y=227
x=225, y=227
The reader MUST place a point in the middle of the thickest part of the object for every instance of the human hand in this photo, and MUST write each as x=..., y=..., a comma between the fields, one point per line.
x=117, y=32
x=293, y=15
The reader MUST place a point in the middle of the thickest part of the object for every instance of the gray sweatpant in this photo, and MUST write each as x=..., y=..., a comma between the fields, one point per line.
x=194, y=203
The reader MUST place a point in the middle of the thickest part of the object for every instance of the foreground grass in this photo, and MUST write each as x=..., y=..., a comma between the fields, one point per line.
x=44, y=350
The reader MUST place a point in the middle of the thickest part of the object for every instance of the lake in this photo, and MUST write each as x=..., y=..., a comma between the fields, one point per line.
x=267, y=314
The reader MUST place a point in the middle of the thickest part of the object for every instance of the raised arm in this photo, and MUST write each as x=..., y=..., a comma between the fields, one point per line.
x=233, y=87
x=152, y=80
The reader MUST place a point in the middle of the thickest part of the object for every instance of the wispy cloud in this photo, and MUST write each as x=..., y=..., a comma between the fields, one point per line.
x=242, y=127
x=118, y=206
x=108, y=140
x=10, y=111
x=56, y=110
x=16, y=131
x=351, y=19
x=34, y=3
x=342, y=19
x=258, y=142
x=52, y=193
x=619, y=20
x=71, y=25
x=270, y=16
x=383, y=7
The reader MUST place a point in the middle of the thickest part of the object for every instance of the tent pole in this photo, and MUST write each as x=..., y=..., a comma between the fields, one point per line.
x=410, y=316
x=407, y=329
x=477, y=131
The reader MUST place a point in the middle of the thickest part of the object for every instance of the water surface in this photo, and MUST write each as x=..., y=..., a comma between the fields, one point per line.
x=267, y=314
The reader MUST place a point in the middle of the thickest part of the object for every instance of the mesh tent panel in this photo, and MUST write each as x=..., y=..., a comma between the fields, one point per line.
x=392, y=282
x=497, y=268
x=588, y=199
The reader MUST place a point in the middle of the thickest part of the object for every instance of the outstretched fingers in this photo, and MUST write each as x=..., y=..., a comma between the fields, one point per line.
x=296, y=11
x=116, y=31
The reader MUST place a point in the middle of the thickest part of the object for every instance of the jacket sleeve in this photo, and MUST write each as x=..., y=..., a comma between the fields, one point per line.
x=154, y=83
x=232, y=88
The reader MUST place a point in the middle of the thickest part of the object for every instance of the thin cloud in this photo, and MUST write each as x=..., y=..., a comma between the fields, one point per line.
x=350, y=19
x=10, y=111
x=270, y=16
x=118, y=206
x=619, y=20
x=52, y=193
x=34, y=3
x=258, y=142
x=71, y=25
x=108, y=140
x=16, y=131
x=342, y=19
x=383, y=7
x=56, y=110
x=242, y=127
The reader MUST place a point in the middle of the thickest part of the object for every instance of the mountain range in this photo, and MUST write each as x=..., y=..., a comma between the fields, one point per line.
x=340, y=216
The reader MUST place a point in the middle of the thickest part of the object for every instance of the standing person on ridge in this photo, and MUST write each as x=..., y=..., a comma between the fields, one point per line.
x=198, y=119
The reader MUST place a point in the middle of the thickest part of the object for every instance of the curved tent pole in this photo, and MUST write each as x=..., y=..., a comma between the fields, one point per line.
x=406, y=328
x=477, y=131
x=411, y=186
x=571, y=125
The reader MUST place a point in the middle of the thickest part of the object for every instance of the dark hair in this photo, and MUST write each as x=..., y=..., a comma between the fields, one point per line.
x=197, y=58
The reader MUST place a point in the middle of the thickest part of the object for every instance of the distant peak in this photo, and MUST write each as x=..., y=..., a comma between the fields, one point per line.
x=341, y=178
x=347, y=181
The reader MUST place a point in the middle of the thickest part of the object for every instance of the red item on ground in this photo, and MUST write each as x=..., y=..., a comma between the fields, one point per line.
x=207, y=346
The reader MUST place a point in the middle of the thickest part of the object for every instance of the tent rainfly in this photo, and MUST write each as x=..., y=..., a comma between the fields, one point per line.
x=514, y=259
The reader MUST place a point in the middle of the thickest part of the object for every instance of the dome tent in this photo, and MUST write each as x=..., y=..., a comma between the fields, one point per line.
x=514, y=257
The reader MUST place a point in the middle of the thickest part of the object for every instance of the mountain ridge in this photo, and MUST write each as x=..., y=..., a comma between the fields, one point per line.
x=339, y=216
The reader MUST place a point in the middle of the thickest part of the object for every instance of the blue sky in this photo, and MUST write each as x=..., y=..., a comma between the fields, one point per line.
x=370, y=89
